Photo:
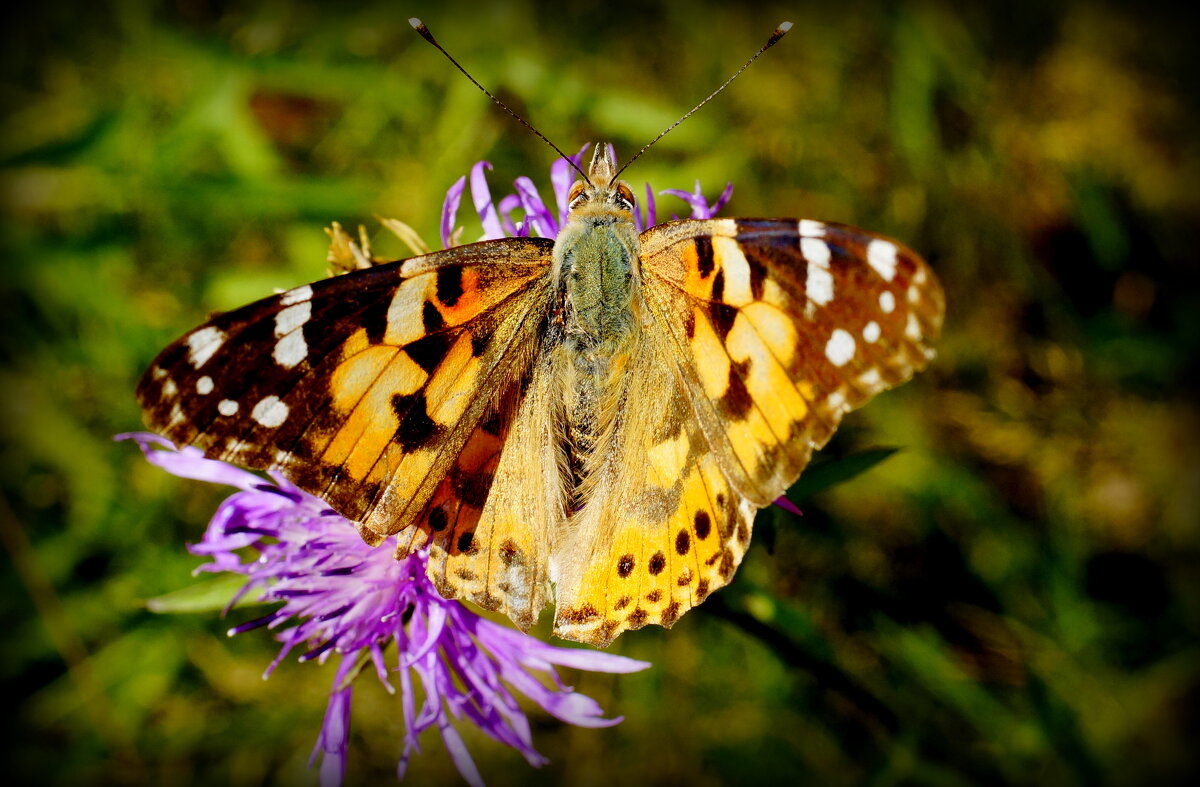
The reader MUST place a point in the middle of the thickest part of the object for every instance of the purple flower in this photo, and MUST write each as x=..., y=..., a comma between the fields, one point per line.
x=525, y=213
x=340, y=597
x=700, y=207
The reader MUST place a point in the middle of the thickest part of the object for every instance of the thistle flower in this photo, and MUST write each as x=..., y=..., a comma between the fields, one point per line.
x=339, y=597
x=501, y=219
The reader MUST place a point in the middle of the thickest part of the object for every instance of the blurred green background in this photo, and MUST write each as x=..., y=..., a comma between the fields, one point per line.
x=1011, y=598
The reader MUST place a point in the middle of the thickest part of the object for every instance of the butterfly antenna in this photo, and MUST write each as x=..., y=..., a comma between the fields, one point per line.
x=778, y=34
x=420, y=27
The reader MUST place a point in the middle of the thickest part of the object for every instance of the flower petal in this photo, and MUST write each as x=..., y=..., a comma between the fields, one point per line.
x=450, y=210
x=538, y=216
x=788, y=505
x=481, y=197
x=332, y=742
x=508, y=204
x=651, y=212
x=721, y=200
x=562, y=175
x=190, y=462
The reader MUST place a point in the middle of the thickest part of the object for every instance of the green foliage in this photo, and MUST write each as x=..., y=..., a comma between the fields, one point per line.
x=1010, y=598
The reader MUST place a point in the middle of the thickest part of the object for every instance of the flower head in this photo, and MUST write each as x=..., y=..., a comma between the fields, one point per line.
x=525, y=213
x=340, y=597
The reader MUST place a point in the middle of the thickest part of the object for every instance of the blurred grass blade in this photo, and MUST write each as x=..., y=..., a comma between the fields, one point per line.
x=824, y=475
x=209, y=595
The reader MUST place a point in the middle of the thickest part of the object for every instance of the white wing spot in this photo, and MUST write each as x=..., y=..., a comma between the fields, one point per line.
x=881, y=254
x=819, y=285
x=914, y=294
x=870, y=379
x=912, y=329
x=815, y=251
x=292, y=318
x=811, y=229
x=270, y=412
x=871, y=332
x=836, y=401
x=887, y=302
x=203, y=343
x=169, y=389
x=840, y=348
x=298, y=295
x=290, y=350
x=204, y=385
x=227, y=407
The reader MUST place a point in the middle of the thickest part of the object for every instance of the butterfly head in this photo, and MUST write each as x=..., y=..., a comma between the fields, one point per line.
x=603, y=194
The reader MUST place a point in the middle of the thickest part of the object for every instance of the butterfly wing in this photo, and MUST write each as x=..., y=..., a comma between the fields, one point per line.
x=764, y=334
x=367, y=389
x=499, y=556
x=781, y=328
x=661, y=526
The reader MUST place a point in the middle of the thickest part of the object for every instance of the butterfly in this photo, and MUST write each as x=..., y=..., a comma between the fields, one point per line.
x=594, y=419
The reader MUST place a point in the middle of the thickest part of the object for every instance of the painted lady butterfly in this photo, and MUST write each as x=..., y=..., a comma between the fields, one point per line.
x=594, y=419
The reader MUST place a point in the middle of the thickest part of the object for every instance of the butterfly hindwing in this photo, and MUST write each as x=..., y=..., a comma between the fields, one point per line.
x=360, y=388
x=503, y=501
x=662, y=527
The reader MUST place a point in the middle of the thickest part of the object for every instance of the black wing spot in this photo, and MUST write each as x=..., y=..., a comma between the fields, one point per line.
x=449, y=284
x=416, y=429
x=431, y=318
x=657, y=564
x=704, y=256
x=375, y=319
x=464, y=541
x=718, y=285
x=438, y=520
x=683, y=542
x=736, y=402
x=722, y=316
x=428, y=351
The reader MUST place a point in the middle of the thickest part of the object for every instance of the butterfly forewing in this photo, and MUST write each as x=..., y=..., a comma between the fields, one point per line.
x=782, y=327
x=363, y=388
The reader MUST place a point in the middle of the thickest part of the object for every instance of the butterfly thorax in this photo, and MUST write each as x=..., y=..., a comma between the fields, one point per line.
x=595, y=269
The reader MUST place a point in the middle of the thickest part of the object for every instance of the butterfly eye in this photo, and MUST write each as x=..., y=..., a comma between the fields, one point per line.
x=623, y=197
x=577, y=196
